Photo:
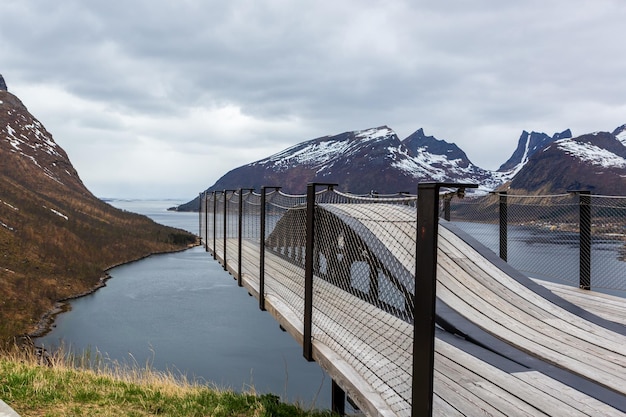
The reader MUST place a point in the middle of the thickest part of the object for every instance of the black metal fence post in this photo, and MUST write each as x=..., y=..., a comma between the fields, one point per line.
x=584, y=202
x=206, y=221
x=337, y=399
x=584, y=236
x=425, y=295
x=307, y=343
x=200, y=215
x=262, y=246
x=504, y=214
x=215, y=224
x=225, y=225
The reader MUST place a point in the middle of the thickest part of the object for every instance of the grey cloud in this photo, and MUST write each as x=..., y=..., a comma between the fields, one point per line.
x=469, y=72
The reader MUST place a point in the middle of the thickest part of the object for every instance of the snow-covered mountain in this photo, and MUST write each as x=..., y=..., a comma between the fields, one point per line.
x=594, y=162
x=377, y=160
x=431, y=159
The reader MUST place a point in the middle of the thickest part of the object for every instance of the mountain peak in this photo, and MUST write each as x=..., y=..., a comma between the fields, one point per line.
x=527, y=145
x=26, y=146
x=620, y=134
x=374, y=133
x=3, y=85
x=419, y=141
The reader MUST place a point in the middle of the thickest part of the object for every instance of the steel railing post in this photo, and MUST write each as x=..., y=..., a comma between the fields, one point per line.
x=503, y=211
x=337, y=399
x=225, y=226
x=307, y=343
x=425, y=295
x=206, y=221
x=239, y=236
x=215, y=224
x=584, y=201
x=584, y=236
x=200, y=215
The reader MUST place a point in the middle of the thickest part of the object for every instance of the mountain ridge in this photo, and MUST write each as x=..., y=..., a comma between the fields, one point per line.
x=384, y=163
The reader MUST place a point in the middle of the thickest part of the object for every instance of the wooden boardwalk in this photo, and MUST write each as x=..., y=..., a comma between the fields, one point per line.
x=523, y=353
x=603, y=305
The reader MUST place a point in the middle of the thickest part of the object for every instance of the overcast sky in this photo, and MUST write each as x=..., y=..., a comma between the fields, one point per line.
x=160, y=98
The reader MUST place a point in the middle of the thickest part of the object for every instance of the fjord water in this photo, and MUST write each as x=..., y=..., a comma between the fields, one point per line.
x=182, y=312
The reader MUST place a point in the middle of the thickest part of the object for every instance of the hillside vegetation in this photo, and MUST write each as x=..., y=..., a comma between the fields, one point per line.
x=56, y=238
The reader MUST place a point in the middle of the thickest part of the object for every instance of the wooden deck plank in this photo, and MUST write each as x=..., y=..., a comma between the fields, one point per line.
x=490, y=271
x=531, y=316
x=488, y=274
x=565, y=394
x=607, y=306
x=527, y=339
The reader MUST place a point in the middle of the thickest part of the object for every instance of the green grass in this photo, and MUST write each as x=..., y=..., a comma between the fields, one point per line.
x=65, y=387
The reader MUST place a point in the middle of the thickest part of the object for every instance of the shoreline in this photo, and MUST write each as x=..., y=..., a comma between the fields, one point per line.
x=46, y=321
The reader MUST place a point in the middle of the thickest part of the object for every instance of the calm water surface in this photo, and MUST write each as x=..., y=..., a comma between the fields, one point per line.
x=183, y=312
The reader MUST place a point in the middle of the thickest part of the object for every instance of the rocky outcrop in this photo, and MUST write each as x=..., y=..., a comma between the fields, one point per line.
x=3, y=85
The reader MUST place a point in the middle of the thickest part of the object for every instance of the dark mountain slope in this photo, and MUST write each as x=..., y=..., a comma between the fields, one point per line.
x=56, y=238
x=360, y=162
x=594, y=162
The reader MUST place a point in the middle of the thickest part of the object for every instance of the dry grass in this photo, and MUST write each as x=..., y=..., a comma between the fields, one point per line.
x=64, y=385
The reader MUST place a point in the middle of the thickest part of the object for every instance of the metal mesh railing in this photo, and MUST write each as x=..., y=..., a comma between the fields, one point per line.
x=608, y=237
x=362, y=263
x=365, y=250
x=545, y=236
x=363, y=271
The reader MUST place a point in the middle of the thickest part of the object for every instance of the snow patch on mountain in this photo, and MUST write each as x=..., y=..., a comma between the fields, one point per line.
x=9, y=205
x=6, y=226
x=591, y=154
x=375, y=133
x=58, y=213
x=312, y=153
x=42, y=141
x=622, y=137
x=323, y=151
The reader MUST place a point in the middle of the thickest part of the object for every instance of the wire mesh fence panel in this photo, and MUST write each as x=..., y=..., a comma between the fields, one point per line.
x=210, y=222
x=543, y=236
x=231, y=227
x=251, y=235
x=363, y=261
x=218, y=225
x=608, y=243
x=285, y=237
x=479, y=217
x=364, y=266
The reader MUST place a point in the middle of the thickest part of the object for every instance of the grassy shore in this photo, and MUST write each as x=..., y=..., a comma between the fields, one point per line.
x=62, y=385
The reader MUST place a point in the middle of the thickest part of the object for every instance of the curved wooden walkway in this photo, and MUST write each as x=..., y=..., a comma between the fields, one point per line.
x=522, y=352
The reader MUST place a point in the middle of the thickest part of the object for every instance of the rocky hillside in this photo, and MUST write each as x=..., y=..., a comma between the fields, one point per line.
x=594, y=162
x=56, y=238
